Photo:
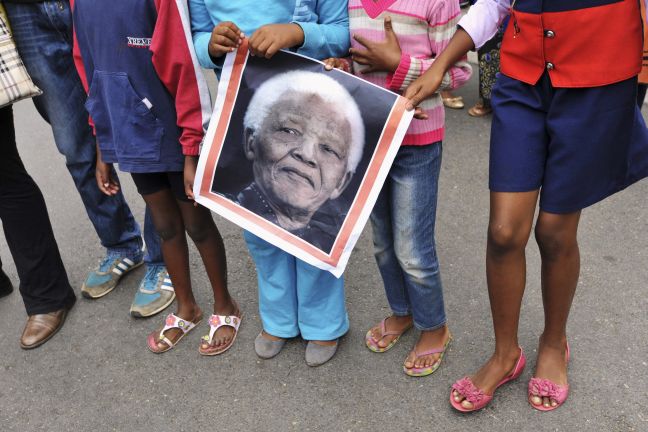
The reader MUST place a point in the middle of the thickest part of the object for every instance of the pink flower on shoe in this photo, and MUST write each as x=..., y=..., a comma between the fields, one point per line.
x=214, y=320
x=468, y=390
x=545, y=388
x=170, y=320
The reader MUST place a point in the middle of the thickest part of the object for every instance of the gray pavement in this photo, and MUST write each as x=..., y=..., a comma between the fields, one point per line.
x=97, y=375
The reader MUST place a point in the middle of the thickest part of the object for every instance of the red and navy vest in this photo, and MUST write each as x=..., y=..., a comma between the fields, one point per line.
x=580, y=43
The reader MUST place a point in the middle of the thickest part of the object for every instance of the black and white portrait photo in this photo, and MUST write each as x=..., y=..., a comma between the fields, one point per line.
x=299, y=146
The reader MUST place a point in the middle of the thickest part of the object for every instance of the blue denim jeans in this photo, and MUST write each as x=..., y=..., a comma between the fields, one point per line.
x=43, y=34
x=403, y=234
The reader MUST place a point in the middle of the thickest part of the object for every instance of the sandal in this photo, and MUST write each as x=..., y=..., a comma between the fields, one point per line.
x=542, y=387
x=372, y=343
x=479, y=110
x=216, y=322
x=172, y=321
x=425, y=371
x=454, y=102
x=476, y=396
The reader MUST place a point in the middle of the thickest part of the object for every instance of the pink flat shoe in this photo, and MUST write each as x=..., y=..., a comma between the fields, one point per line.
x=476, y=396
x=542, y=387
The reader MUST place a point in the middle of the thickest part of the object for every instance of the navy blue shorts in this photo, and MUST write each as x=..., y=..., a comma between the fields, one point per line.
x=148, y=183
x=578, y=145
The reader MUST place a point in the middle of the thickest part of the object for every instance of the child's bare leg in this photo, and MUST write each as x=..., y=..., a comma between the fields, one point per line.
x=511, y=219
x=203, y=231
x=556, y=235
x=168, y=223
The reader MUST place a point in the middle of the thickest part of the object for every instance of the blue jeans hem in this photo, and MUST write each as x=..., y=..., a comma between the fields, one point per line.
x=430, y=328
x=401, y=314
x=125, y=253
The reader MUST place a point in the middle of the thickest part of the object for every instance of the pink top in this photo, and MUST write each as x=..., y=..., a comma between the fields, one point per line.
x=424, y=29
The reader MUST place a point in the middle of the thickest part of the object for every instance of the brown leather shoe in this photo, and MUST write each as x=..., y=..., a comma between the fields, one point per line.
x=41, y=327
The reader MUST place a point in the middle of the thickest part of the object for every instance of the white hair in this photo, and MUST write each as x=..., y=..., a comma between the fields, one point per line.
x=310, y=83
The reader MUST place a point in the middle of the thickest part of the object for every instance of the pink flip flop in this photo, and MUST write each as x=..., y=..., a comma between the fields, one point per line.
x=372, y=343
x=542, y=387
x=425, y=371
x=476, y=396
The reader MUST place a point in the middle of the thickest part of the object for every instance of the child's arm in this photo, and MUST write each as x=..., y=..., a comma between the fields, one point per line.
x=442, y=22
x=175, y=62
x=329, y=37
x=475, y=29
x=103, y=171
x=212, y=42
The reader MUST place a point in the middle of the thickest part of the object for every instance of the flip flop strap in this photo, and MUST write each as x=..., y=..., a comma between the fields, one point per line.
x=218, y=321
x=434, y=350
x=384, y=332
x=173, y=321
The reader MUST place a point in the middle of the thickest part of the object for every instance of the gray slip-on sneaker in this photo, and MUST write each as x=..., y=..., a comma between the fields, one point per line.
x=266, y=348
x=317, y=355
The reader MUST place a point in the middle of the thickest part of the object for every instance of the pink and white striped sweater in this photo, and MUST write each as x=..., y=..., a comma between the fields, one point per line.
x=424, y=29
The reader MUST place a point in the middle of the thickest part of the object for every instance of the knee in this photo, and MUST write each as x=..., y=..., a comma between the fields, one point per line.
x=505, y=238
x=198, y=232
x=169, y=231
x=552, y=241
x=418, y=265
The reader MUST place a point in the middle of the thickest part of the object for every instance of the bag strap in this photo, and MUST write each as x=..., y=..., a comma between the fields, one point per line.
x=5, y=17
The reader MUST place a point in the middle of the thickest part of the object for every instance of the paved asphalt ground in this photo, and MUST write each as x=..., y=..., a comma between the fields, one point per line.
x=97, y=374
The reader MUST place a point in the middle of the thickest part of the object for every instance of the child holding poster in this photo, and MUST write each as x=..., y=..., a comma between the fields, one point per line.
x=294, y=297
x=149, y=104
x=394, y=42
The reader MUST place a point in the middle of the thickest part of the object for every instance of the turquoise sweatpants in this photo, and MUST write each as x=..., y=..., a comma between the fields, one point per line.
x=295, y=297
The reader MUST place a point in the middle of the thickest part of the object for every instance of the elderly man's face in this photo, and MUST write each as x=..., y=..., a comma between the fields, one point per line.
x=301, y=152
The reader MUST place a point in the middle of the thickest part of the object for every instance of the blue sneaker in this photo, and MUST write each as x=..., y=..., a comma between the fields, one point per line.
x=103, y=280
x=154, y=294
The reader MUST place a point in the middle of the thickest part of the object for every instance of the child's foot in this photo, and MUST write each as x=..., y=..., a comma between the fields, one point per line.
x=178, y=325
x=267, y=346
x=224, y=335
x=421, y=361
x=551, y=365
x=384, y=335
x=319, y=352
x=490, y=375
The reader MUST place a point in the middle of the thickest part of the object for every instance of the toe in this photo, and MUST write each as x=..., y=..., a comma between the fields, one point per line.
x=545, y=402
x=457, y=396
x=409, y=361
x=554, y=403
x=536, y=400
x=466, y=404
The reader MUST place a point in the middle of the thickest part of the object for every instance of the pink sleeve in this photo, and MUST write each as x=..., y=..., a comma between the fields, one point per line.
x=442, y=26
x=177, y=67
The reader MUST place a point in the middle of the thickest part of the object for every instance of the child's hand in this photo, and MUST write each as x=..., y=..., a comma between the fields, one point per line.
x=423, y=87
x=267, y=40
x=225, y=38
x=336, y=63
x=105, y=180
x=382, y=56
x=190, y=165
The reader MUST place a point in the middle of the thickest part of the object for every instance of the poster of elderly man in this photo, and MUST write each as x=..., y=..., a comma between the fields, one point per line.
x=297, y=154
